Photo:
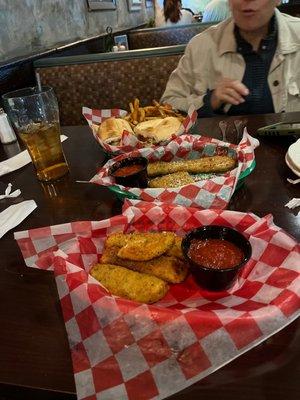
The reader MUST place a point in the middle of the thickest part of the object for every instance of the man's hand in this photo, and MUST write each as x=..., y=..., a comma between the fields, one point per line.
x=228, y=91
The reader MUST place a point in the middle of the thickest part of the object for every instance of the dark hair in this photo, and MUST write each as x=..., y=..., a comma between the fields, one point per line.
x=172, y=10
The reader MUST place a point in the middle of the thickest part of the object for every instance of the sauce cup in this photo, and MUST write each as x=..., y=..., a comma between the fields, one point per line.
x=209, y=276
x=130, y=172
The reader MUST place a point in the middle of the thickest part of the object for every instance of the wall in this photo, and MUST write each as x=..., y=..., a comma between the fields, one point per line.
x=28, y=26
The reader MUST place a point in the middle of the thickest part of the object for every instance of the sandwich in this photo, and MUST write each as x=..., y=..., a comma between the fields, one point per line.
x=157, y=130
x=111, y=130
x=293, y=157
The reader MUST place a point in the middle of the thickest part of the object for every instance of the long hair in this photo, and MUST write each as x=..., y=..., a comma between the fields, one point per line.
x=172, y=10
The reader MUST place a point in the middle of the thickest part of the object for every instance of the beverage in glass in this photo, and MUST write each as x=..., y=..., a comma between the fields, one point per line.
x=35, y=116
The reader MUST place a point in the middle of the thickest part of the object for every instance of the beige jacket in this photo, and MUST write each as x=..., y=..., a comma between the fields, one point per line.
x=212, y=54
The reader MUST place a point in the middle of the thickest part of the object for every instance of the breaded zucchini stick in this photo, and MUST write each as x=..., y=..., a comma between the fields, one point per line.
x=131, y=285
x=171, y=180
x=200, y=165
x=168, y=268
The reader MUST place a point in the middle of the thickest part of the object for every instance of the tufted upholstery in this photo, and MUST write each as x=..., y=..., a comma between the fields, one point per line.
x=168, y=36
x=111, y=81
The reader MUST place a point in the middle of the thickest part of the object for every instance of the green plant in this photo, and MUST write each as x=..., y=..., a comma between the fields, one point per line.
x=150, y=23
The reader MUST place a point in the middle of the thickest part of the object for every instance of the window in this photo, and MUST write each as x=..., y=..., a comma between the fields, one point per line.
x=94, y=5
x=134, y=5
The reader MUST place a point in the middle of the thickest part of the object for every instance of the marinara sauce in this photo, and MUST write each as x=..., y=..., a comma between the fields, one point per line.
x=215, y=253
x=128, y=170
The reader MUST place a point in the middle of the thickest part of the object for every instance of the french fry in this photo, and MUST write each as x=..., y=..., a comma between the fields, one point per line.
x=135, y=111
x=136, y=103
x=167, y=106
x=161, y=112
x=141, y=114
x=150, y=110
x=169, y=112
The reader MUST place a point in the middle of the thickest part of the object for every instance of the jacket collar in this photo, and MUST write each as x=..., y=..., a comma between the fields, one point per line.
x=227, y=43
x=286, y=40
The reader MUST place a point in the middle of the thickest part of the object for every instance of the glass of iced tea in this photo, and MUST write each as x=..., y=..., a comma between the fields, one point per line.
x=35, y=116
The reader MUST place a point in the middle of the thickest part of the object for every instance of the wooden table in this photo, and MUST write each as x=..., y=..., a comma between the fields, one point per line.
x=34, y=353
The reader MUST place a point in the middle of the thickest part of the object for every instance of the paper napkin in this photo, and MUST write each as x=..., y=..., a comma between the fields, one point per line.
x=19, y=160
x=14, y=215
x=293, y=204
x=8, y=193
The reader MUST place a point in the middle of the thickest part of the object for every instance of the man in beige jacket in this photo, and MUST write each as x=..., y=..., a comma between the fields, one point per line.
x=248, y=64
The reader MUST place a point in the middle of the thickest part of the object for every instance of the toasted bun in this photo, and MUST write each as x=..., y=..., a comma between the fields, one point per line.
x=294, y=155
x=147, y=128
x=158, y=129
x=111, y=129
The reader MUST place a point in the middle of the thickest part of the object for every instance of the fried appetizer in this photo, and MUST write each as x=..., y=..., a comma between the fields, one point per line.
x=132, y=285
x=140, y=114
x=168, y=268
x=120, y=239
x=175, y=250
x=145, y=246
x=171, y=180
x=201, y=165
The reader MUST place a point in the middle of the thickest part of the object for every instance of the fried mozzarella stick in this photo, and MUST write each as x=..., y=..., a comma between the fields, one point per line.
x=131, y=285
x=143, y=246
x=168, y=268
x=120, y=239
x=175, y=250
x=201, y=165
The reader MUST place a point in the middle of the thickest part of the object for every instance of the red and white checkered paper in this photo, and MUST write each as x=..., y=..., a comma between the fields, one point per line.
x=129, y=142
x=127, y=350
x=213, y=193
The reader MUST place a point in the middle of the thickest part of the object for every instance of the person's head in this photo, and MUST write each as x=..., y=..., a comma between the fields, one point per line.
x=172, y=10
x=252, y=15
x=202, y=4
x=215, y=11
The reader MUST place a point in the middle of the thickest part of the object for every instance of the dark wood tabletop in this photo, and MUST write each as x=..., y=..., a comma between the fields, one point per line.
x=35, y=360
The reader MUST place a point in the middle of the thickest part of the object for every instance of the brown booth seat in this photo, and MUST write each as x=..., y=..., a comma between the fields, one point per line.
x=167, y=36
x=107, y=80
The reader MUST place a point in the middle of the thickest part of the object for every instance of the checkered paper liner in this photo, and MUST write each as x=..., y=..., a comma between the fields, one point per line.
x=126, y=350
x=213, y=193
x=129, y=142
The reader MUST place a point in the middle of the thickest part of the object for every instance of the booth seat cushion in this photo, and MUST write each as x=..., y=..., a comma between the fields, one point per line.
x=110, y=81
x=167, y=36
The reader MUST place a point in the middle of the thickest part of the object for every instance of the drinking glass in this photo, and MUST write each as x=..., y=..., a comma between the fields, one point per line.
x=34, y=114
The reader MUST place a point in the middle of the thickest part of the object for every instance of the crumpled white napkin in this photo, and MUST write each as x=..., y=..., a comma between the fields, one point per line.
x=15, y=214
x=8, y=194
x=19, y=160
x=293, y=204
